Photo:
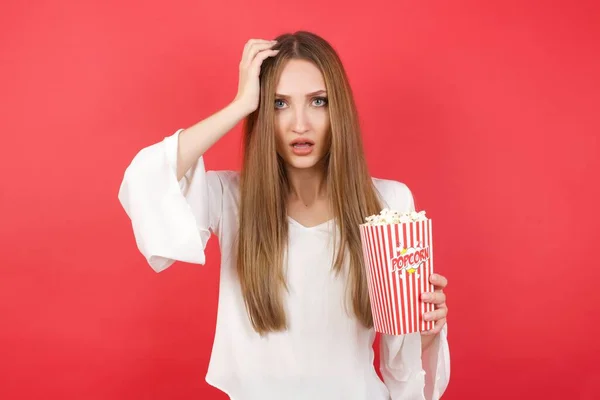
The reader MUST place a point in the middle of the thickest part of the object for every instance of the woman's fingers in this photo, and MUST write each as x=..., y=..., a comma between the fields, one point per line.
x=436, y=315
x=434, y=297
x=260, y=57
x=439, y=281
x=438, y=298
x=252, y=42
x=252, y=49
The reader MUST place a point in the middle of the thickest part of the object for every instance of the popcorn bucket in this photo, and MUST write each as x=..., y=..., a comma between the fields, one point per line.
x=398, y=260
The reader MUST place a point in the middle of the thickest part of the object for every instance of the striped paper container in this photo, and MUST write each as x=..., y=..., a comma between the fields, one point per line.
x=399, y=260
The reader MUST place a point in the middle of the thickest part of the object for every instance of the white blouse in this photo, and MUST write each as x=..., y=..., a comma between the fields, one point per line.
x=326, y=354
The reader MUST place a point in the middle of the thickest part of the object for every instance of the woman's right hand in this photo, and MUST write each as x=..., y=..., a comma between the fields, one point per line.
x=255, y=52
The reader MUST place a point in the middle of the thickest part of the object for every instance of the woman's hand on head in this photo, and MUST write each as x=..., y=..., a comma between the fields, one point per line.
x=255, y=52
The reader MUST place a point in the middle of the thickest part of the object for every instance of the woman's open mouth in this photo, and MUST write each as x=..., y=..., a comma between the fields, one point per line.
x=302, y=148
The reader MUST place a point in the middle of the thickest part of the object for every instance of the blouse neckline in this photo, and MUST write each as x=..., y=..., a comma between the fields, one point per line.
x=323, y=224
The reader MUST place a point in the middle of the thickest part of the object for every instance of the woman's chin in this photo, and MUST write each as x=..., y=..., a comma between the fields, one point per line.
x=302, y=162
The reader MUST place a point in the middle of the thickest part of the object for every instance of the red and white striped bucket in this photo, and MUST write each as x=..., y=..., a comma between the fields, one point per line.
x=398, y=260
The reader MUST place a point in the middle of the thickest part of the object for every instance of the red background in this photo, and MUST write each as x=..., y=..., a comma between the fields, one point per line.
x=487, y=110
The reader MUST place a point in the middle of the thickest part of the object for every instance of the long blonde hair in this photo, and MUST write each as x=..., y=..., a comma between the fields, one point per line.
x=263, y=226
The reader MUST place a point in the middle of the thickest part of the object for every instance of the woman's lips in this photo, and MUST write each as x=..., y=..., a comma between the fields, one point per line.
x=302, y=149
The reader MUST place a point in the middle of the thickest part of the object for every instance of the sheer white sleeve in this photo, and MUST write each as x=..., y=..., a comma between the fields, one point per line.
x=408, y=379
x=171, y=220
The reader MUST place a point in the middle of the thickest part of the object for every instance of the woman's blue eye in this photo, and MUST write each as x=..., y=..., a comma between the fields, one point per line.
x=277, y=101
x=323, y=99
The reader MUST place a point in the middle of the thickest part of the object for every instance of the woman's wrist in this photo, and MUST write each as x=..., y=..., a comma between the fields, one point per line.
x=427, y=341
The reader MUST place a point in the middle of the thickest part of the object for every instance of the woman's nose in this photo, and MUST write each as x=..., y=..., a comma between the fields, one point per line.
x=301, y=123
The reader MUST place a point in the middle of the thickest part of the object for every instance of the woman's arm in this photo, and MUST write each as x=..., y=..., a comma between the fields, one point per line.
x=197, y=139
x=172, y=217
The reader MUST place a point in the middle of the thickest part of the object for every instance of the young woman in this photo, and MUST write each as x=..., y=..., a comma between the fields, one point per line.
x=294, y=318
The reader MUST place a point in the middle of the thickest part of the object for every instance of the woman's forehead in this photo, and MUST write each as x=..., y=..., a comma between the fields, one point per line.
x=300, y=77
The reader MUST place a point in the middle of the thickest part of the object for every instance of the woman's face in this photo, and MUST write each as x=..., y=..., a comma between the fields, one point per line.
x=301, y=115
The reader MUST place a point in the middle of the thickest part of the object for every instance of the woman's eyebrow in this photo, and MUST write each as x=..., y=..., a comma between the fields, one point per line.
x=285, y=96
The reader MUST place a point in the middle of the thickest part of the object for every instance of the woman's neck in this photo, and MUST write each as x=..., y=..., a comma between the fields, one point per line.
x=307, y=185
